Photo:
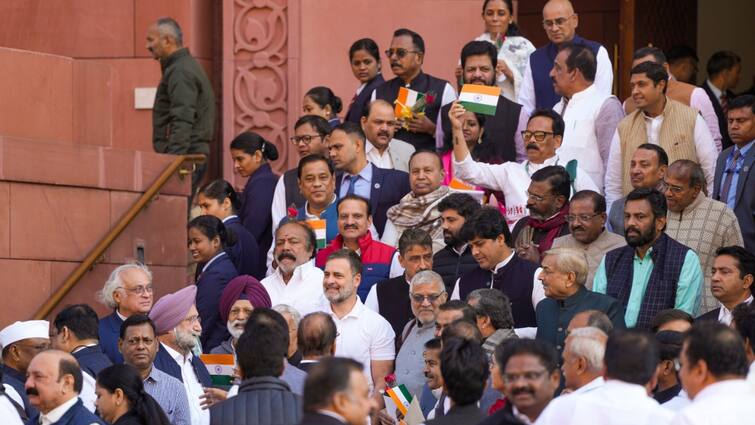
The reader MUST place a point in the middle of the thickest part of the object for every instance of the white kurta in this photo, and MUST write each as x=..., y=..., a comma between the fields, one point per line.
x=725, y=402
x=302, y=292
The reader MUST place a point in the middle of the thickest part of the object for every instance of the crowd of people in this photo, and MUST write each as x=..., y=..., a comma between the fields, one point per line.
x=567, y=259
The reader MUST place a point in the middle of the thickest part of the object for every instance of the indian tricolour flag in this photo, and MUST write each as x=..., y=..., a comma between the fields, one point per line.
x=220, y=367
x=320, y=227
x=480, y=99
x=405, y=100
x=400, y=395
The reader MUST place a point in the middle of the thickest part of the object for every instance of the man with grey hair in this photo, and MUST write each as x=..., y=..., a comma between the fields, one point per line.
x=293, y=317
x=591, y=318
x=582, y=366
x=699, y=222
x=183, y=115
x=128, y=291
x=563, y=275
x=493, y=316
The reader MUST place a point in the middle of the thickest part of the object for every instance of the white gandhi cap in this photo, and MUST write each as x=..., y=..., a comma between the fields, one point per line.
x=24, y=330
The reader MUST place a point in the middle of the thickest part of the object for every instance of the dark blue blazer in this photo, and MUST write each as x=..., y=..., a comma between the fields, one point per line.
x=16, y=380
x=76, y=415
x=358, y=105
x=165, y=363
x=388, y=187
x=210, y=286
x=92, y=360
x=245, y=253
x=110, y=332
x=723, y=126
x=744, y=208
x=256, y=208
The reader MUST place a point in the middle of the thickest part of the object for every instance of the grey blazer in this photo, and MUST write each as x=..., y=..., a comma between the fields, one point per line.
x=744, y=208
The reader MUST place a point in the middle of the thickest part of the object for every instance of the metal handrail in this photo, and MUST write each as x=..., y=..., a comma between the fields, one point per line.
x=110, y=237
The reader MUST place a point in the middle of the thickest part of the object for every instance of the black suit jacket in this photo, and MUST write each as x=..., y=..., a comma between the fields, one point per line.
x=319, y=419
x=306, y=366
x=357, y=107
x=709, y=316
x=388, y=187
x=722, y=125
x=460, y=415
x=744, y=208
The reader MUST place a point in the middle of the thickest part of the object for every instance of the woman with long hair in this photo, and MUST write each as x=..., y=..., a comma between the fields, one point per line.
x=121, y=399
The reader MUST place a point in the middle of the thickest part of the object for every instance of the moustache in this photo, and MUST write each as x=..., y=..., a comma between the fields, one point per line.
x=32, y=391
x=384, y=134
x=350, y=226
x=580, y=228
x=522, y=390
x=532, y=146
x=632, y=229
x=395, y=64
x=283, y=255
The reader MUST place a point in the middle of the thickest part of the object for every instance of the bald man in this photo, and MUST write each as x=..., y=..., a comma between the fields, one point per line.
x=560, y=23
x=53, y=383
x=379, y=126
x=316, y=338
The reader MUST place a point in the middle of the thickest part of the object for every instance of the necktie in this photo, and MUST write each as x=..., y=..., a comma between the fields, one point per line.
x=725, y=103
x=730, y=170
x=352, y=184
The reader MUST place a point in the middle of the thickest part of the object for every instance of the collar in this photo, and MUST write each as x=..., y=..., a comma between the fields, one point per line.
x=365, y=173
x=230, y=217
x=309, y=216
x=725, y=312
x=521, y=416
x=626, y=388
x=574, y=298
x=461, y=250
x=727, y=388
x=743, y=151
x=178, y=357
x=261, y=172
x=220, y=254
x=83, y=347
x=716, y=91
x=154, y=374
x=332, y=414
x=299, y=271
x=647, y=117
x=120, y=316
x=355, y=312
x=595, y=383
x=531, y=167
x=173, y=57
x=589, y=91
x=692, y=206
x=504, y=262
x=364, y=241
x=667, y=394
x=421, y=77
x=55, y=414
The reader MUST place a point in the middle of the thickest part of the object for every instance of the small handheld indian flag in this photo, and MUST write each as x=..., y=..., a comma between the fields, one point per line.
x=320, y=227
x=405, y=100
x=220, y=367
x=400, y=395
x=480, y=99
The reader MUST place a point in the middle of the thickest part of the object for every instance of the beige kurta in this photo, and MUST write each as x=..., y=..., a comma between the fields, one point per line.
x=594, y=251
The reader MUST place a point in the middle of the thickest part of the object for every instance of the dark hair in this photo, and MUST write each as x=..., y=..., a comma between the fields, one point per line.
x=464, y=369
x=366, y=44
x=669, y=344
x=743, y=101
x=557, y=177
x=669, y=315
x=67, y=366
x=125, y=377
x=543, y=350
x=486, y=223
x=316, y=334
x=433, y=344
x=557, y=122
x=464, y=204
x=693, y=171
x=655, y=198
x=743, y=317
x=355, y=263
x=426, y=151
x=513, y=29
x=463, y=329
x=467, y=312
x=251, y=142
x=745, y=259
x=598, y=200
x=212, y=227
x=656, y=53
x=631, y=356
x=355, y=197
x=654, y=71
x=371, y=104
x=311, y=236
x=351, y=129
x=580, y=57
x=219, y=190
x=318, y=123
x=719, y=346
x=80, y=319
x=659, y=152
x=721, y=61
x=600, y=320
x=324, y=96
x=263, y=345
x=315, y=157
x=479, y=48
x=174, y=27
x=680, y=52
x=417, y=40
x=328, y=377
x=414, y=236
x=136, y=320
x=494, y=304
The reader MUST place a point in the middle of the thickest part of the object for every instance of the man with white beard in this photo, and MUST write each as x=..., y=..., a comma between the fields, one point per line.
x=240, y=297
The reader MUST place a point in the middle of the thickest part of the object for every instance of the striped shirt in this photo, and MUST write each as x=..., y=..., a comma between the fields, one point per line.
x=170, y=394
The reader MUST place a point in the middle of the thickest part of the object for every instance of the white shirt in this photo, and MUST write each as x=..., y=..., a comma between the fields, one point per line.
x=302, y=292
x=724, y=314
x=704, y=146
x=380, y=160
x=538, y=293
x=87, y=394
x=592, y=385
x=716, y=91
x=751, y=376
x=614, y=403
x=725, y=402
x=364, y=336
x=13, y=394
x=55, y=414
x=678, y=402
x=9, y=413
x=193, y=387
x=513, y=179
x=603, y=81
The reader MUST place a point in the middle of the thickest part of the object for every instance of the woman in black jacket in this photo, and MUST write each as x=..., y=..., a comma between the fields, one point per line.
x=121, y=399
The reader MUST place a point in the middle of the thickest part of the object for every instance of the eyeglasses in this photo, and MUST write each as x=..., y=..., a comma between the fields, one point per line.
x=136, y=341
x=527, y=376
x=139, y=290
x=538, y=198
x=581, y=217
x=306, y=139
x=419, y=298
x=673, y=189
x=400, y=53
x=559, y=22
x=538, y=135
x=192, y=319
